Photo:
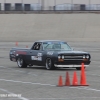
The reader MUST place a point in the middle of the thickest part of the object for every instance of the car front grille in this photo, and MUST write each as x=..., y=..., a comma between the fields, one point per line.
x=73, y=57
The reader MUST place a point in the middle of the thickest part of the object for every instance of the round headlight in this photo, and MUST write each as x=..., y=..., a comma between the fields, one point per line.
x=59, y=57
x=62, y=57
x=83, y=56
x=87, y=56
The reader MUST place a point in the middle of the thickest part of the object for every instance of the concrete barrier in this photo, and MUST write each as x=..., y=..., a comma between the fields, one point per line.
x=31, y=27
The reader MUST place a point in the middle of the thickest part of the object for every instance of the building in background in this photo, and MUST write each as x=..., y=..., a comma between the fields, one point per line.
x=29, y=5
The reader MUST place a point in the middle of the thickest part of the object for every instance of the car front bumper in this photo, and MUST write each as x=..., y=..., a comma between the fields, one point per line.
x=69, y=66
x=71, y=63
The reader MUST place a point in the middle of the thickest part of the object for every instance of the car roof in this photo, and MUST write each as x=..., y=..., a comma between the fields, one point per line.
x=50, y=41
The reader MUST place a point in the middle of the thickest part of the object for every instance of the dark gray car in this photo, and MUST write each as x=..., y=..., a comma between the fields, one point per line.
x=51, y=54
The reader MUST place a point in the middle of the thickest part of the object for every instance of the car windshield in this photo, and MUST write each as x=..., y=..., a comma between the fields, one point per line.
x=56, y=46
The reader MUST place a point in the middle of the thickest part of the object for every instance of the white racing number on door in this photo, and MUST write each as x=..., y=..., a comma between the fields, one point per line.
x=34, y=57
x=38, y=57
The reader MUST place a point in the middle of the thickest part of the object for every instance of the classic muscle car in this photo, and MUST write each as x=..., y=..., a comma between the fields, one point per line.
x=51, y=54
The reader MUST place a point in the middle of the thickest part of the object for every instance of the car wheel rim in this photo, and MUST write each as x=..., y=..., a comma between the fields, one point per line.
x=20, y=62
x=48, y=63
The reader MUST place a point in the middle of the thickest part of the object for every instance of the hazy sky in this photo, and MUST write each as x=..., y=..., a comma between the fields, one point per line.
x=53, y=2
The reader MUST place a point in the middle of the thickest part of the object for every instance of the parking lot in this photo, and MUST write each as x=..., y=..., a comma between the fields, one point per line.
x=37, y=83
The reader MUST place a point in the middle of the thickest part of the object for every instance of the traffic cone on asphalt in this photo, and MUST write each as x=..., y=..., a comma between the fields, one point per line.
x=60, y=81
x=83, y=76
x=26, y=46
x=67, y=80
x=75, y=80
x=16, y=44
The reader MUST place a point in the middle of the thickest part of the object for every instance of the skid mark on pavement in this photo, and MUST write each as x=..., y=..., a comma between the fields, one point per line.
x=22, y=98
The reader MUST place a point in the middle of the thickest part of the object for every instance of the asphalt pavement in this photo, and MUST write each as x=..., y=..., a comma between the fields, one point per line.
x=37, y=83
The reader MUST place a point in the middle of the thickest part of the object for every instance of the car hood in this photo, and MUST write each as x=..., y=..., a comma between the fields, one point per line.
x=72, y=52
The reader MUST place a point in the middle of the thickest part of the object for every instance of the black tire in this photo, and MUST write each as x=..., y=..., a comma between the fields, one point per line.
x=49, y=64
x=21, y=63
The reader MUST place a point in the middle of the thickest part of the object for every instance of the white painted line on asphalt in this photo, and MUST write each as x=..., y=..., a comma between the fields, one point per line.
x=93, y=89
x=86, y=88
x=22, y=98
x=32, y=74
x=26, y=82
x=69, y=98
x=16, y=70
x=3, y=51
x=19, y=71
x=93, y=74
x=11, y=69
x=2, y=66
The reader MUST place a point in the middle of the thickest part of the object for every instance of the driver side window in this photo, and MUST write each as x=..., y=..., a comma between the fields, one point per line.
x=36, y=46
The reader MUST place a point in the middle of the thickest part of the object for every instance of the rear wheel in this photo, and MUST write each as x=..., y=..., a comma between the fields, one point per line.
x=21, y=63
x=49, y=64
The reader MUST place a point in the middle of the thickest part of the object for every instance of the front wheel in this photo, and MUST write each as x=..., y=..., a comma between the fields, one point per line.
x=49, y=64
x=21, y=63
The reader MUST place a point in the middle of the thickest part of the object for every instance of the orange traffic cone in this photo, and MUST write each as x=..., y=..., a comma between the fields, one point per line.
x=67, y=80
x=16, y=43
x=83, y=76
x=26, y=46
x=75, y=80
x=60, y=82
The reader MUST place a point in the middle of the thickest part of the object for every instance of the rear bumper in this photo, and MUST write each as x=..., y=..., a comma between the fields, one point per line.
x=69, y=66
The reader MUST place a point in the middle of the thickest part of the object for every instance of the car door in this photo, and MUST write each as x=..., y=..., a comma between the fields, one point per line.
x=36, y=54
